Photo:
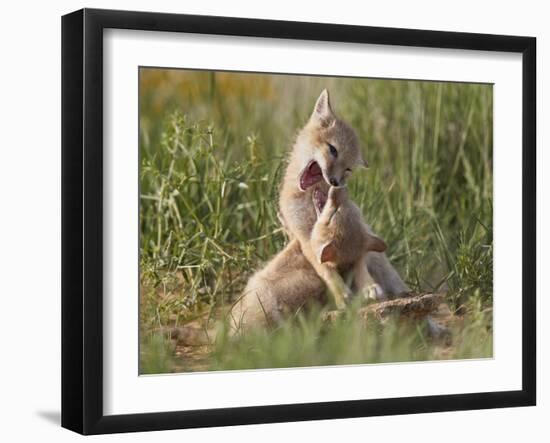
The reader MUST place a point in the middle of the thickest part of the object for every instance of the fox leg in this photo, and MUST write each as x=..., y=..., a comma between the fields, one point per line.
x=385, y=274
x=364, y=282
x=330, y=275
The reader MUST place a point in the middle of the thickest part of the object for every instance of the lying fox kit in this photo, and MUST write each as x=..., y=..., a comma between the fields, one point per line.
x=325, y=153
x=341, y=239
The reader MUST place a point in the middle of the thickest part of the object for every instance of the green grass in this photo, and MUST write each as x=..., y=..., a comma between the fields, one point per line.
x=213, y=148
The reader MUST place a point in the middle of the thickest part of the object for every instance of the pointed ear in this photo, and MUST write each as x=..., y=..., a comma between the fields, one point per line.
x=327, y=252
x=322, y=110
x=376, y=244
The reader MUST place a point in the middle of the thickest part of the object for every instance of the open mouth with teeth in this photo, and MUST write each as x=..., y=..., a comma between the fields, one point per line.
x=311, y=175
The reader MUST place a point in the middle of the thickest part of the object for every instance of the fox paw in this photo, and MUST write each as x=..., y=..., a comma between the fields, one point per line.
x=374, y=292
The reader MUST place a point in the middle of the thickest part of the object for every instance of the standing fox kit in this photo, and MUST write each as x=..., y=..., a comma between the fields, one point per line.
x=325, y=153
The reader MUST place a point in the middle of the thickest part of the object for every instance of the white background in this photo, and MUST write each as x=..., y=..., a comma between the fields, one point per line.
x=30, y=219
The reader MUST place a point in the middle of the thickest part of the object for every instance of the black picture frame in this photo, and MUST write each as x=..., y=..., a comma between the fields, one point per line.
x=82, y=218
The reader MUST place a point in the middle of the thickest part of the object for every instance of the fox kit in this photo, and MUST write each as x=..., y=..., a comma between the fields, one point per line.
x=325, y=153
x=341, y=239
x=284, y=286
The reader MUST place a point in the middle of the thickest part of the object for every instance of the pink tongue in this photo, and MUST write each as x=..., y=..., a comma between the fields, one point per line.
x=320, y=199
x=311, y=176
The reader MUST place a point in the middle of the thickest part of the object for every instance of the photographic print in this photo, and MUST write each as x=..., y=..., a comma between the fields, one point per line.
x=250, y=204
x=297, y=220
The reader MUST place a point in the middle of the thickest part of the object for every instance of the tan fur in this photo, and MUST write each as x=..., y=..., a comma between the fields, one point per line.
x=297, y=211
x=296, y=276
x=311, y=144
x=285, y=285
x=342, y=239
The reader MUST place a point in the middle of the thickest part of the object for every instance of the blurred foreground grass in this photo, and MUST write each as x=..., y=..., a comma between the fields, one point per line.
x=213, y=148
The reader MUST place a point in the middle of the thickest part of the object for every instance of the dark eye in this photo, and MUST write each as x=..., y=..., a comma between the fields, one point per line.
x=348, y=170
x=332, y=150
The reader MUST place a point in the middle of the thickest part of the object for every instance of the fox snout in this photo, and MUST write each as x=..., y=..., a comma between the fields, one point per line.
x=332, y=172
x=337, y=195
